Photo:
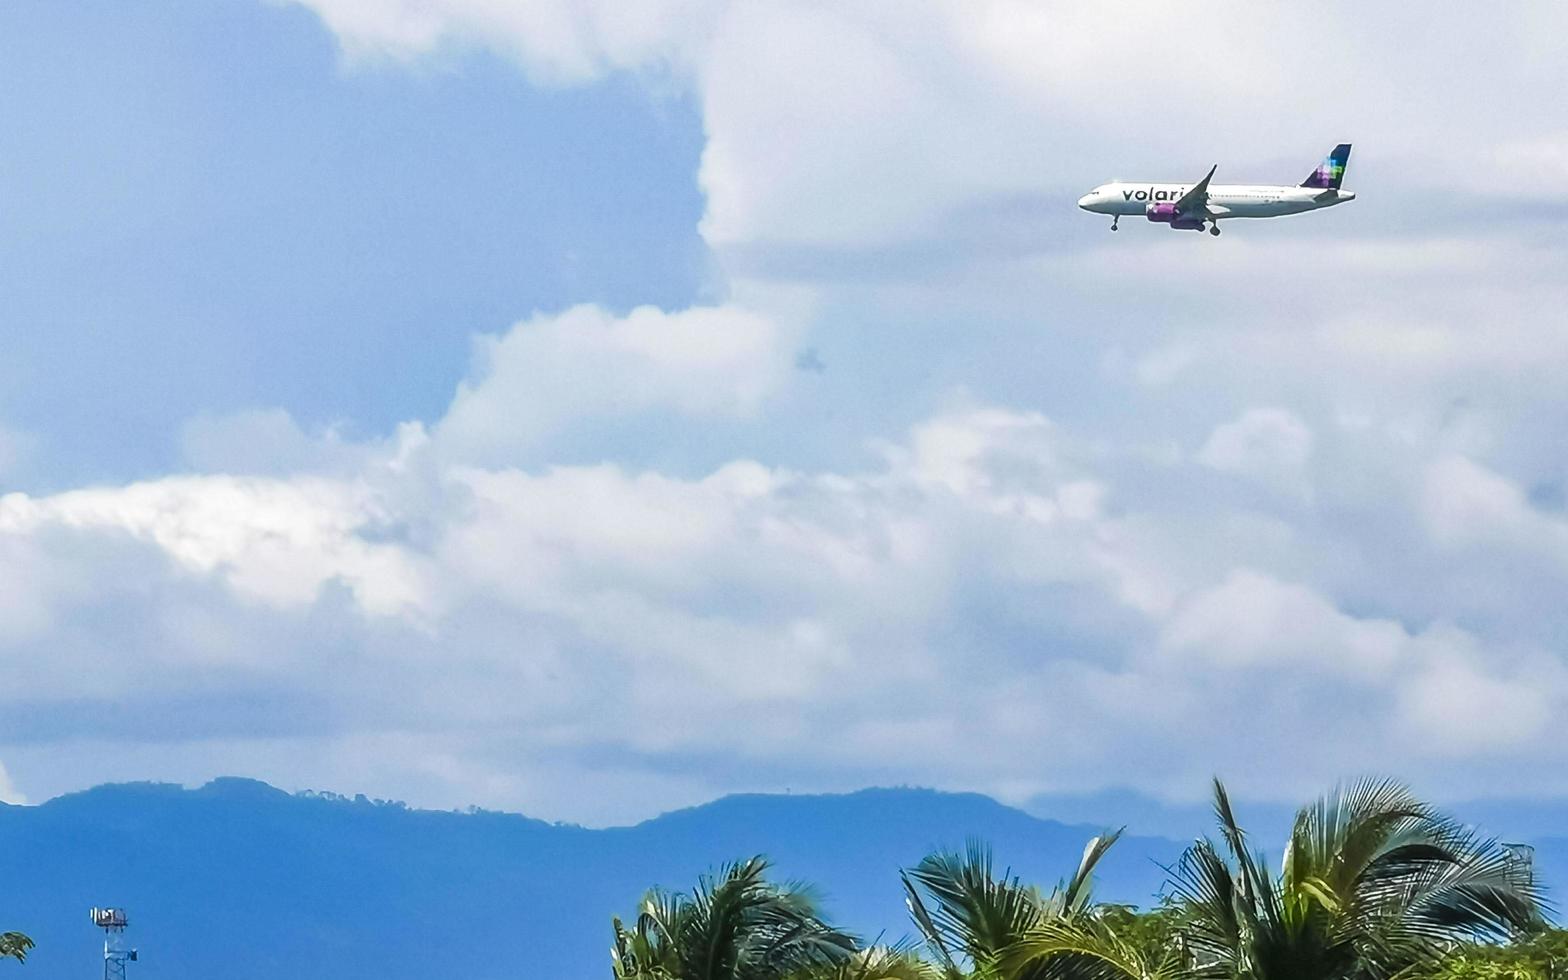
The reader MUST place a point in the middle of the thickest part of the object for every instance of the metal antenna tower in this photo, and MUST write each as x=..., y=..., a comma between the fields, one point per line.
x=115, y=953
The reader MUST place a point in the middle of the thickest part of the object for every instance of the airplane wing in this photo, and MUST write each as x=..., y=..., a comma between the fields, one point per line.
x=1195, y=202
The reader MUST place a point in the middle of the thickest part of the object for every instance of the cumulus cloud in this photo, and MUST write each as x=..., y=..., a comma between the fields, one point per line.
x=272, y=541
x=1270, y=444
x=897, y=613
x=587, y=363
x=266, y=441
x=1069, y=574
x=1464, y=503
x=1251, y=619
x=8, y=791
x=863, y=125
x=558, y=41
x=1458, y=702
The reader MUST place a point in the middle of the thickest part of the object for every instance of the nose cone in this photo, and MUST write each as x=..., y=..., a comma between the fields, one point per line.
x=1087, y=201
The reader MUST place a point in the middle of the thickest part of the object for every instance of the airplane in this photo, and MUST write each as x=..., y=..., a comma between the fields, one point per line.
x=1192, y=207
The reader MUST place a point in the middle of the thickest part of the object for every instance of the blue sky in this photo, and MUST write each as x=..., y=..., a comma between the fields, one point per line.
x=591, y=409
x=204, y=213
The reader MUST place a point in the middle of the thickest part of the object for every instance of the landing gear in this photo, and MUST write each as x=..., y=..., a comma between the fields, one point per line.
x=1114, y=220
x=1214, y=229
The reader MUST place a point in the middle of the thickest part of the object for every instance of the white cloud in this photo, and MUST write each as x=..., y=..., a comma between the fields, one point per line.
x=635, y=615
x=1507, y=549
x=1267, y=444
x=855, y=125
x=1251, y=619
x=557, y=41
x=1458, y=702
x=1466, y=504
x=8, y=790
x=1451, y=697
x=489, y=607
x=266, y=441
x=703, y=599
x=586, y=363
x=1534, y=165
x=273, y=541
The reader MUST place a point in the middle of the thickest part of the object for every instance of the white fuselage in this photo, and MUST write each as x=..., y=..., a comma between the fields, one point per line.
x=1224, y=200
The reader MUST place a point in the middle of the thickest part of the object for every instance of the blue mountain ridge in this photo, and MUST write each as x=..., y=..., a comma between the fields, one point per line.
x=240, y=879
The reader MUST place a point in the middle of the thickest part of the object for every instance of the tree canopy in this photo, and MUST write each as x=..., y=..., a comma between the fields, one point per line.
x=14, y=945
x=735, y=925
x=1374, y=885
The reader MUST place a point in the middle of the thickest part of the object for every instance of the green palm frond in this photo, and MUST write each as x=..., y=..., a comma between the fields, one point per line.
x=927, y=927
x=1077, y=891
x=971, y=912
x=897, y=962
x=1374, y=883
x=975, y=921
x=1086, y=949
x=14, y=945
x=735, y=925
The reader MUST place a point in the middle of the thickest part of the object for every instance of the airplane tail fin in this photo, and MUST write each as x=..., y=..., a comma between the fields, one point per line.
x=1331, y=172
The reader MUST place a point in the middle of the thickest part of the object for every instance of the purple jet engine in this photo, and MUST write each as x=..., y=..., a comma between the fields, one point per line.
x=1167, y=214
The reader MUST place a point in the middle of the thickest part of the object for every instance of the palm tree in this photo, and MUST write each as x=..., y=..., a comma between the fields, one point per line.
x=735, y=925
x=1375, y=883
x=877, y=963
x=985, y=927
x=14, y=945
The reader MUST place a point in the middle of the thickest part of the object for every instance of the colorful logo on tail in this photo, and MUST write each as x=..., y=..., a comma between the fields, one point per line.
x=1331, y=172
